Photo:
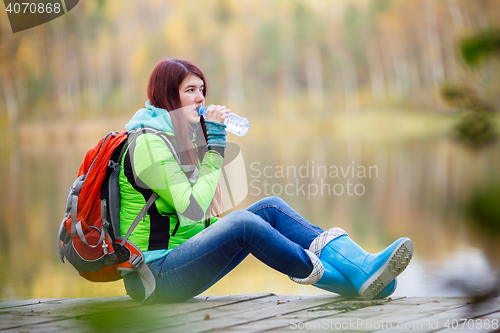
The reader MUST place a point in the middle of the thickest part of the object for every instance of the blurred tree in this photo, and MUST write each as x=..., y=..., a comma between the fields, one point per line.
x=475, y=128
x=96, y=59
x=484, y=210
x=465, y=98
x=480, y=46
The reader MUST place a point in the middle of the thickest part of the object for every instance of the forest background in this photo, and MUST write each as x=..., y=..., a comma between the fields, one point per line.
x=367, y=83
x=264, y=58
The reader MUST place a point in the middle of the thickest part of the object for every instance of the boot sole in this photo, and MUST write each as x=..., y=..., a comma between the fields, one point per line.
x=395, y=265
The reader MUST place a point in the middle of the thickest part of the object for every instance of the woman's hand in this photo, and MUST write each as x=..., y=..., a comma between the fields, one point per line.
x=217, y=113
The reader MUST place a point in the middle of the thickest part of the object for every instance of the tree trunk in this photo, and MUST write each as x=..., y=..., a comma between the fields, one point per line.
x=456, y=16
x=234, y=74
x=314, y=78
x=11, y=101
x=435, y=56
x=377, y=80
x=350, y=83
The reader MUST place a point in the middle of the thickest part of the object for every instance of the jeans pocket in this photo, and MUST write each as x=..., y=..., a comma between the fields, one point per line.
x=155, y=267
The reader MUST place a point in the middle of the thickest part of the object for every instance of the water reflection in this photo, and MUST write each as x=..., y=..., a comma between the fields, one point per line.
x=418, y=190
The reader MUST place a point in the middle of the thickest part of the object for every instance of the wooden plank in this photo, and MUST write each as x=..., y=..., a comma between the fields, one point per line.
x=405, y=310
x=435, y=322
x=162, y=315
x=254, y=311
x=56, y=310
x=243, y=316
x=389, y=314
x=69, y=309
x=284, y=321
x=17, y=303
x=105, y=313
x=179, y=318
x=242, y=313
x=364, y=319
x=276, y=321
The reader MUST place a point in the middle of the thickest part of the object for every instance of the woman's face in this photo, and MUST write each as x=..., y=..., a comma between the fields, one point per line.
x=191, y=95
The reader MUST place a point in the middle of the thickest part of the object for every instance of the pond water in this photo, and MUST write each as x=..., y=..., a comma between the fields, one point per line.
x=376, y=191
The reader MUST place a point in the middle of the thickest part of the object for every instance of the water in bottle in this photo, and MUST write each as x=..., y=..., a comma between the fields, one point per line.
x=234, y=123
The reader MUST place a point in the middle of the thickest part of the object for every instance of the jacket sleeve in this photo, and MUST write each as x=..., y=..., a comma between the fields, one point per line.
x=155, y=167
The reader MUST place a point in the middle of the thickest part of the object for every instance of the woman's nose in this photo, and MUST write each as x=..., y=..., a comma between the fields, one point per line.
x=199, y=97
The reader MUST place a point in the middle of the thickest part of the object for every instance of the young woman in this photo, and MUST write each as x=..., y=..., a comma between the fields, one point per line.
x=187, y=244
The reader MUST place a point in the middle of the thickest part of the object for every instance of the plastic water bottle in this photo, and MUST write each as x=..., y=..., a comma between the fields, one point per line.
x=235, y=124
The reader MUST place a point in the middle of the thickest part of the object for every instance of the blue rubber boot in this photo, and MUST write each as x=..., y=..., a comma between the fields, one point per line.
x=327, y=277
x=370, y=274
x=333, y=281
x=388, y=290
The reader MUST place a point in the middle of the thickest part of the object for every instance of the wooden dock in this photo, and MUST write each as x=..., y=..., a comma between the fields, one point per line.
x=251, y=313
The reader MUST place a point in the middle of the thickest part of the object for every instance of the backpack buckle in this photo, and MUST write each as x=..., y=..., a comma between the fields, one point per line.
x=136, y=260
x=113, y=165
x=105, y=248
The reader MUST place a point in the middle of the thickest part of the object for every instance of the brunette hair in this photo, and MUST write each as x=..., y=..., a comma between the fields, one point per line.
x=163, y=92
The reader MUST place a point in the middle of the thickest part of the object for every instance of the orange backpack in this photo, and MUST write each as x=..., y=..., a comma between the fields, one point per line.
x=89, y=236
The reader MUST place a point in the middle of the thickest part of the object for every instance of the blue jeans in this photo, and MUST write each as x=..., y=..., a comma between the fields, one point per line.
x=269, y=229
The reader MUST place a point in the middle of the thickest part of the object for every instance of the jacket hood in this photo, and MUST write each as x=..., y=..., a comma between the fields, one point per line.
x=151, y=116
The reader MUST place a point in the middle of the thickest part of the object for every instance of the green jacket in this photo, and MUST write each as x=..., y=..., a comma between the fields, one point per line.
x=148, y=165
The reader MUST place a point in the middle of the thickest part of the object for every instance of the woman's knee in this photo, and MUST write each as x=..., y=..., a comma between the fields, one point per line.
x=245, y=221
x=273, y=201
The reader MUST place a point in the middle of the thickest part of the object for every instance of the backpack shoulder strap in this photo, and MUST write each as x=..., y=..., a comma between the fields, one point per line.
x=134, y=134
x=168, y=141
x=77, y=187
x=171, y=145
x=140, y=216
x=185, y=168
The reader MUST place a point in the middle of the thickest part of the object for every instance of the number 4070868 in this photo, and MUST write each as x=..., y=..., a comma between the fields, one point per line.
x=471, y=323
x=31, y=7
